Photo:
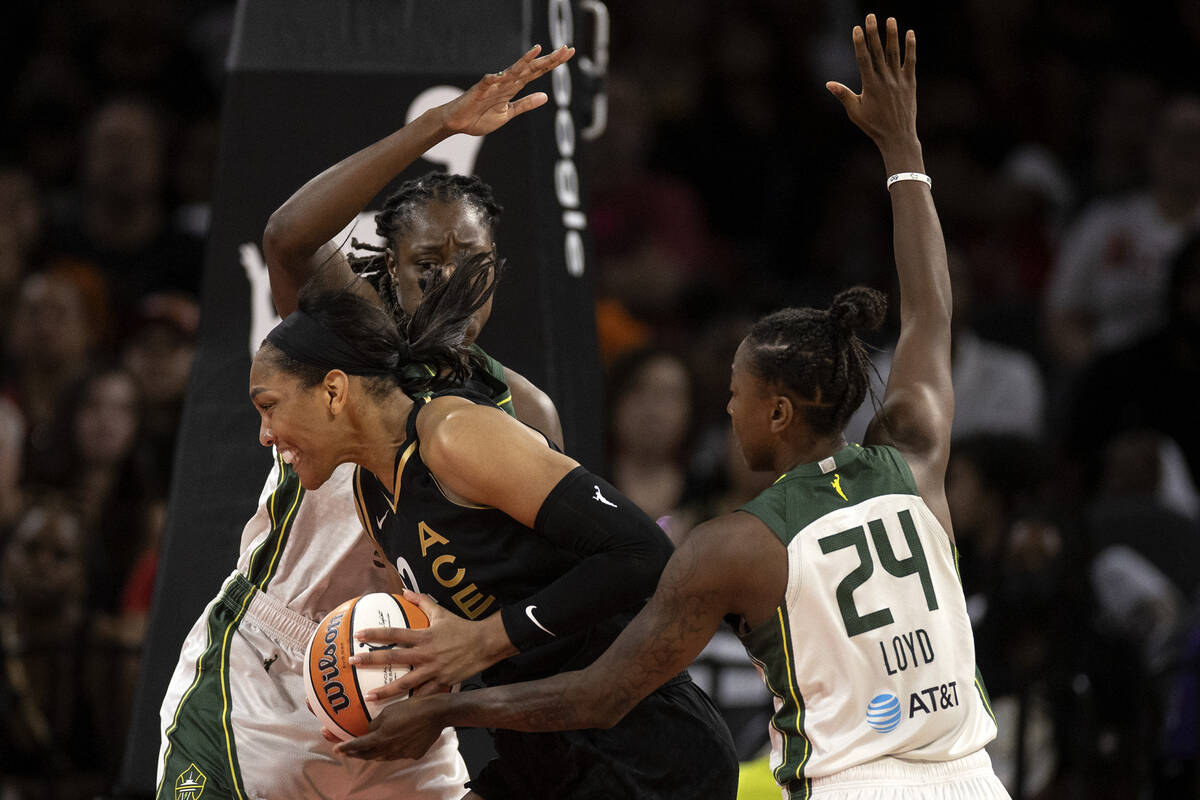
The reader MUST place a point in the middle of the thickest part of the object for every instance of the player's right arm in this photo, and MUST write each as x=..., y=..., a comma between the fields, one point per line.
x=731, y=565
x=918, y=403
x=296, y=241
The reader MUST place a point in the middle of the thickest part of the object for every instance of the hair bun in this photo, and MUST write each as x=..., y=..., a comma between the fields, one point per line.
x=858, y=309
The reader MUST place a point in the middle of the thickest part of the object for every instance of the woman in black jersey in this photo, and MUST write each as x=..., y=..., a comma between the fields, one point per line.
x=541, y=562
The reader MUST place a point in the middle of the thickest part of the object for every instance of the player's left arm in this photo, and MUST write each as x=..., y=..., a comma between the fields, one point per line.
x=731, y=565
x=918, y=403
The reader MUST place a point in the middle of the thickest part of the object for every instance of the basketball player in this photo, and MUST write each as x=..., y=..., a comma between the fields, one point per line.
x=841, y=577
x=234, y=720
x=539, y=563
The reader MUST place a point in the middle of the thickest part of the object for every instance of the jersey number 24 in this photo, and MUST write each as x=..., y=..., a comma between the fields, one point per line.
x=915, y=564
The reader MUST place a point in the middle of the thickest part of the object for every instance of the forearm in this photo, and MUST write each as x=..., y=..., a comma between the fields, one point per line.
x=558, y=703
x=920, y=249
x=664, y=638
x=324, y=205
x=623, y=553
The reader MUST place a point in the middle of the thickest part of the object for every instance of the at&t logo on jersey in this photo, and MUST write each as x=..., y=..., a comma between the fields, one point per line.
x=883, y=712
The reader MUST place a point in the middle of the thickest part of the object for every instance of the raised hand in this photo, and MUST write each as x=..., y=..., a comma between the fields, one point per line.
x=489, y=103
x=887, y=108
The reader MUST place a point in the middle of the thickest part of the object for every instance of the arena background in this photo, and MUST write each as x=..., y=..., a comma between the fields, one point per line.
x=727, y=183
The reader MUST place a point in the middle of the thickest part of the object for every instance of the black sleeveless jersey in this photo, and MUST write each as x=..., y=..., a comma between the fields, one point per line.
x=473, y=559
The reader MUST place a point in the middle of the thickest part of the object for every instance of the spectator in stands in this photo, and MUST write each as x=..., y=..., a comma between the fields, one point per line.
x=1144, y=384
x=159, y=352
x=650, y=401
x=50, y=742
x=100, y=467
x=121, y=222
x=47, y=348
x=1110, y=277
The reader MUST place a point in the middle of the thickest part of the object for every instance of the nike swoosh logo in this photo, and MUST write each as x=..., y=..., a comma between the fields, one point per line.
x=379, y=520
x=533, y=619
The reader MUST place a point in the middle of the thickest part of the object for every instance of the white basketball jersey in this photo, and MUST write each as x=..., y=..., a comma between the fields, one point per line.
x=872, y=653
x=308, y=548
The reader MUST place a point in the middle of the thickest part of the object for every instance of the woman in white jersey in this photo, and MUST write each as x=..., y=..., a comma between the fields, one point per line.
x=841, y=577
x=233, y=718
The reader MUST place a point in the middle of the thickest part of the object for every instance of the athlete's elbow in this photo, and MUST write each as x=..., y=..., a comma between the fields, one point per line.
x=657, y=553
x=278, y=237
x=607, y=712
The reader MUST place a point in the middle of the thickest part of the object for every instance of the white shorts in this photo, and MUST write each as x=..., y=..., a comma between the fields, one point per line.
x=235, y=724
x=967, y=778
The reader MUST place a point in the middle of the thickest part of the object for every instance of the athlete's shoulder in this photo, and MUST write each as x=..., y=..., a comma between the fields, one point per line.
x=453, y=425
x=769, y=508
x=888, y=466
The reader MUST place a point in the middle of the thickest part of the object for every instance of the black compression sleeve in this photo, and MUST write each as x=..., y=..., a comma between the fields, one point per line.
x=623, y=551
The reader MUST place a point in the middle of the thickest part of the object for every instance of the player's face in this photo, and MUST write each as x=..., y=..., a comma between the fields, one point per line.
x=750, y=405
x=440, y=234
x=295, y=420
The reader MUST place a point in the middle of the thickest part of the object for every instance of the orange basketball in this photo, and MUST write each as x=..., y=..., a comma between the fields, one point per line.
x=335, y=688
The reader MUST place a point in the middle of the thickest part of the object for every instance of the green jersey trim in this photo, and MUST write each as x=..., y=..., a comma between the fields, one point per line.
x=500, y=394
x=980, y=687
x=281, y=509
x=770, y=647
x=849, y=476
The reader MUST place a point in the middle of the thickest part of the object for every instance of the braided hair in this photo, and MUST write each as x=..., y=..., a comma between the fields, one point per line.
x=421, y=353
x=398, y=212
x=817, y=355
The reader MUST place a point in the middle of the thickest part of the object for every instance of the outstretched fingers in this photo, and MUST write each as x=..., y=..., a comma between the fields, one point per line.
x=861, y=54
x=874, y=45
x=541, y=66
x=526, y=103
x=521, y=65
x=529, y=67
x=892, y=47
x=910, y=55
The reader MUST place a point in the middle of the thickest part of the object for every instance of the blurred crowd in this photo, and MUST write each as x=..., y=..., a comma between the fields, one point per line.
x=1064, y=144
x=106, y=159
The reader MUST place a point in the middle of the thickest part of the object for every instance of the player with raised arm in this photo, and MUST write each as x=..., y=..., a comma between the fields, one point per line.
x=233, y=718
x=841, y=577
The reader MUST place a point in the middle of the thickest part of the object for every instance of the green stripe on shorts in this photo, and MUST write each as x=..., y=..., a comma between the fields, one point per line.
x=201, y=755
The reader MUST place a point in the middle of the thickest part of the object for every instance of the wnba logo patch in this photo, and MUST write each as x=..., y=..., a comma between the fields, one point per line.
x=883, y=712
x=190, y=783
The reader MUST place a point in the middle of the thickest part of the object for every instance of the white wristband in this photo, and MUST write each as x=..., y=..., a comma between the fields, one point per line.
x=910, y=176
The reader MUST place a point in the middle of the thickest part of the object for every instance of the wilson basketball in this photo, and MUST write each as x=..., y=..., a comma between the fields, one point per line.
x=336, y=689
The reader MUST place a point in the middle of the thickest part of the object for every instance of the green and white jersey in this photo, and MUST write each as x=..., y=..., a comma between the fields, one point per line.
x=233, y=716
x=871, y=653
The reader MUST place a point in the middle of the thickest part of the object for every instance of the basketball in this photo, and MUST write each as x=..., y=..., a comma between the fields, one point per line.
x=336, y=689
